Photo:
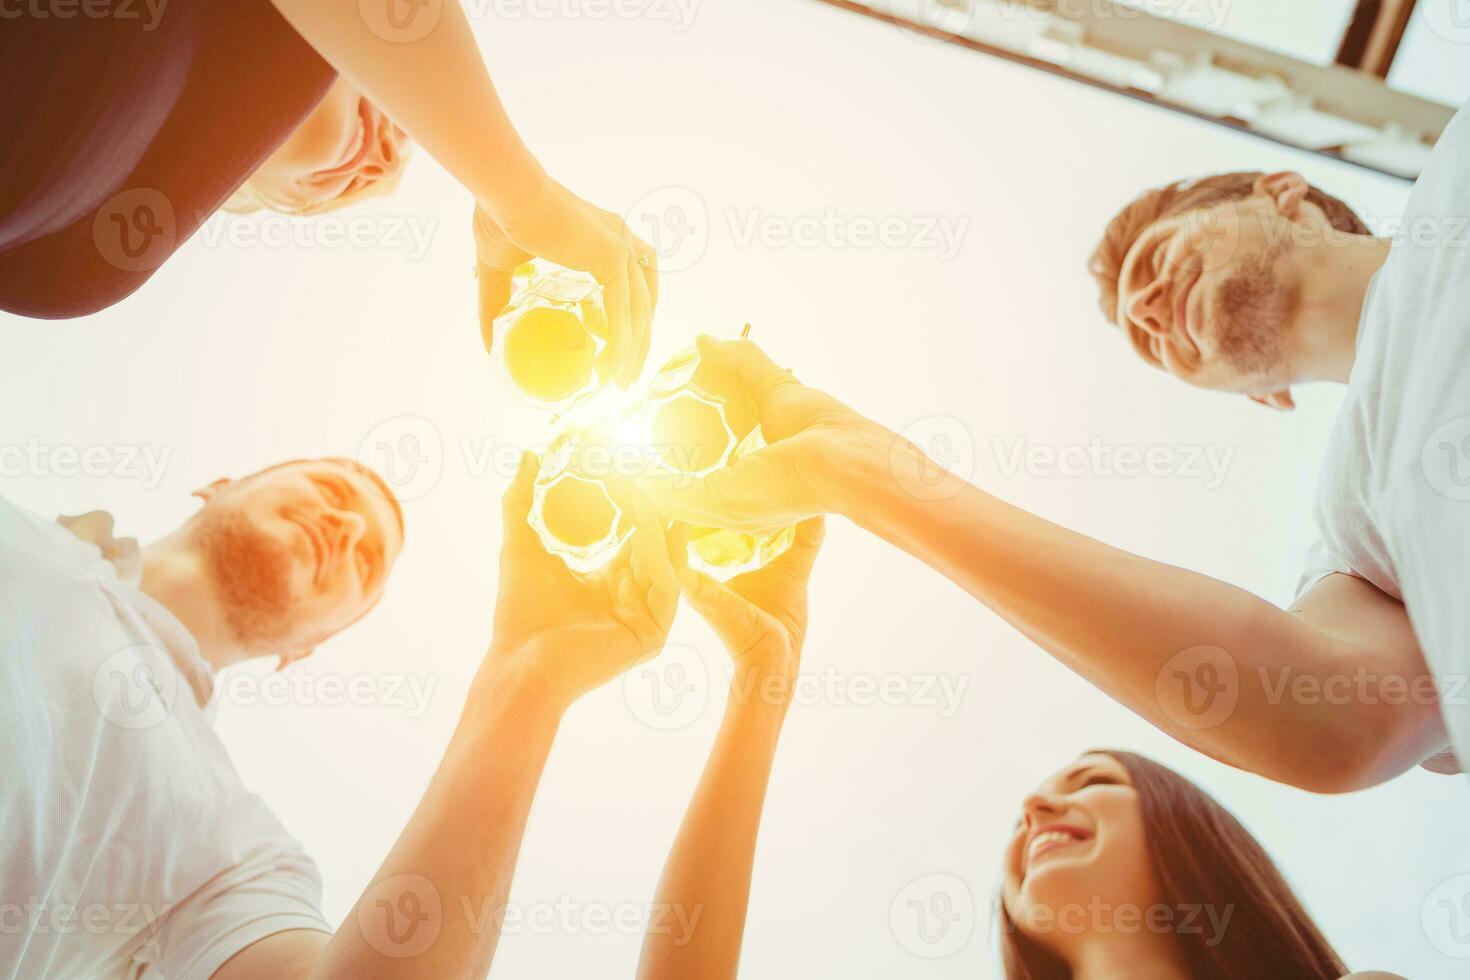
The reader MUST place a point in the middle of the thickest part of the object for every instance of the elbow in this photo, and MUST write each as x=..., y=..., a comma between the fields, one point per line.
x=1351, y=752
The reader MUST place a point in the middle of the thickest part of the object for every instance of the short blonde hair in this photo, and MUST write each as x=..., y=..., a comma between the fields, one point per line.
x=1106, y=263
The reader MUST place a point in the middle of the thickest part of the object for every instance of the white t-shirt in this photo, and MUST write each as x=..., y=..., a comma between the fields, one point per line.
x=1393, y=504
x=128, y=846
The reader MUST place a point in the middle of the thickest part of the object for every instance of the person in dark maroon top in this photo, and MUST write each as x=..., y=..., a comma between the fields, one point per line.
x=114, y=148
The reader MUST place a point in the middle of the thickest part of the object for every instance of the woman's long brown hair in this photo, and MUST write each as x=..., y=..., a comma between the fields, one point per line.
x=1202, y=856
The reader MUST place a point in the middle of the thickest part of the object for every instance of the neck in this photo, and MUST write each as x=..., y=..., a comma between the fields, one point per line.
x=1335, y=280
x=176, y=576
x=1142, y=955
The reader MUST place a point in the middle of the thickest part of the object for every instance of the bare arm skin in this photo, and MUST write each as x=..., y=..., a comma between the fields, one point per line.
x=431, y=81
x=761, y=618
x=557, y=636
x=1131, y=626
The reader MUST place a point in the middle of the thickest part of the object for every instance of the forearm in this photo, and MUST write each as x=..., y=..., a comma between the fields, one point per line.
x=451, y=868
x=705, y=887
x=435, y=86
x=1161, y=640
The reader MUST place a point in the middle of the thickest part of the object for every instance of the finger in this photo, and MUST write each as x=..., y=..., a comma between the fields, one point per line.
x=652, y=568
x=494, y=287
x=620, y=325
x=744, y=365
x=802, y=554
x=516, y=505
x=648, y=262
x=641, y=321
x=738, y=497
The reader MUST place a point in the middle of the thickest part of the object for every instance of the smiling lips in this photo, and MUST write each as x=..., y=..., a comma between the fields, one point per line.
x=1047, y=839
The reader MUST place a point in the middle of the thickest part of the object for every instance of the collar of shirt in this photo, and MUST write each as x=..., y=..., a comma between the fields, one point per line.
x=126, y=560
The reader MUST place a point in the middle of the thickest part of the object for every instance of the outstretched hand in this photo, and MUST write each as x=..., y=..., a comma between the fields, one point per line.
x=576, y=632
x=567, y=230
x=792, y=478
x=760, y=616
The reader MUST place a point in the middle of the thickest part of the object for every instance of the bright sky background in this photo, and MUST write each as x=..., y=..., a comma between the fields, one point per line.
x=241, y=354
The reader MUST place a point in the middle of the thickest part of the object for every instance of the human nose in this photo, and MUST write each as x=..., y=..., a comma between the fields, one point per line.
x=1039, y=806
x=346, y=528
x=1148, y=308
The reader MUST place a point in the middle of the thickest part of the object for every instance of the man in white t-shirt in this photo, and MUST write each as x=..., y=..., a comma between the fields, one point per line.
x=130, y=849
x=1254, y=283
x=130, y=846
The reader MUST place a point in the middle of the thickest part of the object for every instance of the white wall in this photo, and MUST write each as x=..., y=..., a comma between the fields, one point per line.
x=240, y=355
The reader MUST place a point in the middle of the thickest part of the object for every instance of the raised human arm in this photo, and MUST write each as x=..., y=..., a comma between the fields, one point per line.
x=435, y=905
x=426, y=73
x=1140, y=630
x=761, y=618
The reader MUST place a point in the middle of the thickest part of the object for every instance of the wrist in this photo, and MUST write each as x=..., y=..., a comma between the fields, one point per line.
x=762, y=688
x=513, y=680
x=518, y=198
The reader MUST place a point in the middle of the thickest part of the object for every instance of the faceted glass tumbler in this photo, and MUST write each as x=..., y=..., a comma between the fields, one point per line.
x=547, y=341
x=572, y=510
x=690, y=433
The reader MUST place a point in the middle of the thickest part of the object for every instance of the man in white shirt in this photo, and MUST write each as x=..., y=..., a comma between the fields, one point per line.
x=130, y=844
x=1247, y=283
x=131, y=851
x=1253, y=283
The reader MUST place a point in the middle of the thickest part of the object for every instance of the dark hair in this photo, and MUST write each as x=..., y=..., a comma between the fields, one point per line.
x=1202, y=856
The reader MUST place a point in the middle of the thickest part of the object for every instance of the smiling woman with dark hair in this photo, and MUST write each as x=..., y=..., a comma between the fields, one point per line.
x=1121, y=867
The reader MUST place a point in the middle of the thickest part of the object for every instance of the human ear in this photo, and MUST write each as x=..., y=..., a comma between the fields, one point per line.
x=1287, y=188
x=207, y=493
